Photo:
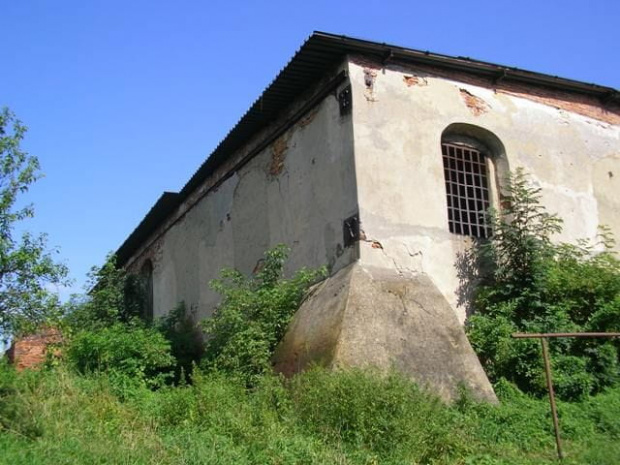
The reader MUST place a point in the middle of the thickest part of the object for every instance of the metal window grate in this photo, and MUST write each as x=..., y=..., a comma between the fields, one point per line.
x=467, y=190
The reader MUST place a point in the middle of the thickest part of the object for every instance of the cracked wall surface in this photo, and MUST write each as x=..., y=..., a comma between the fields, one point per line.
x=569, y=145
x=362, y=191
x=382, y=164
x=296, y=191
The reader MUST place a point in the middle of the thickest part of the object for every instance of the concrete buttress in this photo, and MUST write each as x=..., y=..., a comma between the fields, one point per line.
x=377, y=317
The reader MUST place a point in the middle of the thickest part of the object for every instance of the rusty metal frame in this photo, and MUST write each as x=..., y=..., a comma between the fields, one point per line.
x=545, y=351
x=467, y=189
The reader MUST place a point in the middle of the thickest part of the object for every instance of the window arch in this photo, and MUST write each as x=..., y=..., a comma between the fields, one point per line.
x=469, y=154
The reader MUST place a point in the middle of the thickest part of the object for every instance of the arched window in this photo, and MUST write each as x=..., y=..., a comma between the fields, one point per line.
x=146, y=273
x=468, y=153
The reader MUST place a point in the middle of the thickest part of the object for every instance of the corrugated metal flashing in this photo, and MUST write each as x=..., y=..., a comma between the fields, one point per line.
x=318, y=55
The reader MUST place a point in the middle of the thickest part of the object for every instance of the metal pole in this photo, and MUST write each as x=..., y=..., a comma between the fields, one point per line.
x=554, y=412
x=543, y=339
x=547, y=335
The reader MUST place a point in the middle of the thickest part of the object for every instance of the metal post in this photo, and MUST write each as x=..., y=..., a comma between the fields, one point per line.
x=554, y=412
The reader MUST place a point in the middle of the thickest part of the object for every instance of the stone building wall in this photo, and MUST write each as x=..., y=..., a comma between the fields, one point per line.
x=297, y=191
x=569, y=145
x=364, y=193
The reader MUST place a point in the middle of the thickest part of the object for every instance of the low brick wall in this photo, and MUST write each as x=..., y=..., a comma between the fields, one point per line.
x=31, y=351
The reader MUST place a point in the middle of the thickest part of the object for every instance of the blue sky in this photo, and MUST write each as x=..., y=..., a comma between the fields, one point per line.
x=125, y=99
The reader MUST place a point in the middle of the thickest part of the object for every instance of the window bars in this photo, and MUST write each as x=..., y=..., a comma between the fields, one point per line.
x=467, y=190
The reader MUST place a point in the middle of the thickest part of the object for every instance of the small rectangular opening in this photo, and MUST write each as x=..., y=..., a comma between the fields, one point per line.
x=344, y=101
x=351, y=230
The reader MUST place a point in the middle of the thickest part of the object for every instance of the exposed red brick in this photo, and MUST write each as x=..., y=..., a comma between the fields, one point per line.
x=278, y=154
x=152, y=252
x=31, y=351
x=415, y=81
x=370, y=75
x=581, y=104
x=308, y=117
x=260, y=264
x=475, y=104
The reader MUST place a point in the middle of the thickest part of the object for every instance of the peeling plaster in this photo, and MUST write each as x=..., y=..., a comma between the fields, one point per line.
x=370, y=76
x=476, y=105
x=415, y=81
x=308, y=118
x=278, y=155
x=400, y=174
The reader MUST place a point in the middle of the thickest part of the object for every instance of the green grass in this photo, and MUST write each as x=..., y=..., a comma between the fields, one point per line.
x=320, y=417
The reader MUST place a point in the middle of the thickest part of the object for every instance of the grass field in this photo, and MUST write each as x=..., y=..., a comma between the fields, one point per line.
x=320, y=417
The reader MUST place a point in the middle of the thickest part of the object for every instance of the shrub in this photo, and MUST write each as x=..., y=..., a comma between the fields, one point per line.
x=529, y=284
x=179, y=327
x=347, y=417
x=129, y=353
x=14, y=407
x=253, y=315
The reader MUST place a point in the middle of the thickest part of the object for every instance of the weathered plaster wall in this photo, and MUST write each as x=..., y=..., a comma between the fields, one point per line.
x=399, y=114
x=386, y=158
x=297, y=191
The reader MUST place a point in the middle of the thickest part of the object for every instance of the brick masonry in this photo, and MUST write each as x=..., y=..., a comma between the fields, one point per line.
x=30, y=351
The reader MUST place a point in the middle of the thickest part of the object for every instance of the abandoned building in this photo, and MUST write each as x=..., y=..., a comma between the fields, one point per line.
x=379, y=161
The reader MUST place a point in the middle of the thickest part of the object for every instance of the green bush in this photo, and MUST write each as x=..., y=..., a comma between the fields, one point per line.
x=529, y=284
x=180, y=328
x=253, y=315
x=129, y=354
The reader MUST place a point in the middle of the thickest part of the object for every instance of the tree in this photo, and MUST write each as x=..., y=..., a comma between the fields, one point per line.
x=26, y=264
x=114, y=296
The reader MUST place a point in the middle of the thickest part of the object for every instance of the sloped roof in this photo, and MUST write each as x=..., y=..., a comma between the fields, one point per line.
x=319, y=54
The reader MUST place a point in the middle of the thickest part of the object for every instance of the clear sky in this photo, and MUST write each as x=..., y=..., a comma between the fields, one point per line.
x=125, y=99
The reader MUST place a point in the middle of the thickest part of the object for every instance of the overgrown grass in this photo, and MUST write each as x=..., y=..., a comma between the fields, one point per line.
x=320, y=417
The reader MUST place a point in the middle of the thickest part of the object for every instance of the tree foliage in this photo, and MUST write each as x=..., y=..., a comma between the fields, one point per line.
x=527, y=283
x=253, y=315
x=114, y=296
x=26, y=264
x=106, y=332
